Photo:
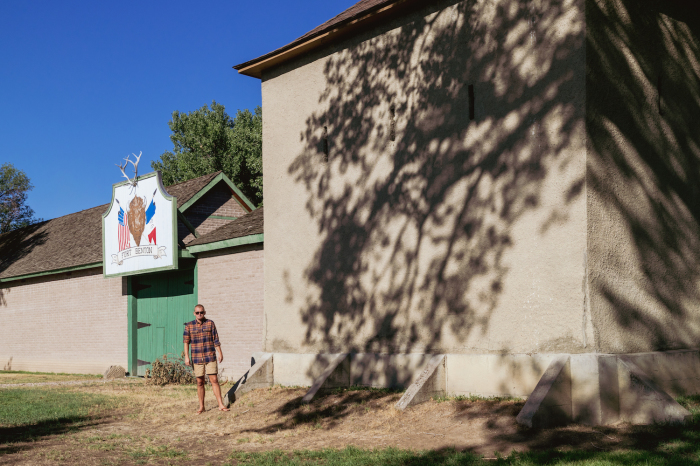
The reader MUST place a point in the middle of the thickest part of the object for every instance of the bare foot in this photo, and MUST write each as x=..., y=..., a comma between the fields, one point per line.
x=223, y=408
x=200, y=410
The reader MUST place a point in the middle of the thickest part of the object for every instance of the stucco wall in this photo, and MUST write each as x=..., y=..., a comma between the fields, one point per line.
x=643, y=109
x=455, y=235
x=73, y=323
x=230, y=286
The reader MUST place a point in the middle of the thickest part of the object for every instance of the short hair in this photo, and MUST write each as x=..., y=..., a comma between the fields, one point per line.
x=200, y=306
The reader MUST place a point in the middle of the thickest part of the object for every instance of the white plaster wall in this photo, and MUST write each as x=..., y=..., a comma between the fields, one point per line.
x=459, y=236
x=643, y=161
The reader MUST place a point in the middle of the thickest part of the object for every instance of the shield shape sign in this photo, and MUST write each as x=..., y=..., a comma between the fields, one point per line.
x=139, y=230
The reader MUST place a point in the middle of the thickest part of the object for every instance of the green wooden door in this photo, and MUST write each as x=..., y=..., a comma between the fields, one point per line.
x=164, y=302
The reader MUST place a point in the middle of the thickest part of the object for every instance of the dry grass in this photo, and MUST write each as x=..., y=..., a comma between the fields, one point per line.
x=14, y=377
x=158, y=425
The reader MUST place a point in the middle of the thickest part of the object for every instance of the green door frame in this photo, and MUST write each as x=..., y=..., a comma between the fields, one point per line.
x=132, y=319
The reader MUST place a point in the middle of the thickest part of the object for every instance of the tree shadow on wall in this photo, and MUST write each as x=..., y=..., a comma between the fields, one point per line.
x=643, y=110
x=417, y=202
x=15, y=245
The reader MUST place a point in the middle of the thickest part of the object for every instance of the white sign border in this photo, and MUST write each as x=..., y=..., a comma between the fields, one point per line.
x=175, y=251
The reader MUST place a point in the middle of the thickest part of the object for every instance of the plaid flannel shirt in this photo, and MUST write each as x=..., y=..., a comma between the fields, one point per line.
x=203, y=339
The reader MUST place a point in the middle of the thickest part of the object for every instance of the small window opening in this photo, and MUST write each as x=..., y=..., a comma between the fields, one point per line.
x=392, y=123
x=471, y=101
x=658, y=91
x=325, y=143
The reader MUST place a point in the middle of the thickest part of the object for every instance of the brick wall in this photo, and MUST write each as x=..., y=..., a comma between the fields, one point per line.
x=218, y=202
x=230, y=286
x=73, y=323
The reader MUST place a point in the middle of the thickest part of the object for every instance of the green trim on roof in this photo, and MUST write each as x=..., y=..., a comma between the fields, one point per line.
x=52, y=272
x=228, y=243
x=210, y=185
x=222, y=217
x=185, y=254
x=188, y=225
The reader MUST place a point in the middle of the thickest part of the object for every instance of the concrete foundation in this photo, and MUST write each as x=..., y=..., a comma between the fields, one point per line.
x=336, y=374
x=592, y=389
x=430, y=383
x=366, y=369
x=260, y=375
x=550, y=402
x=642, y=401
x=599, y=389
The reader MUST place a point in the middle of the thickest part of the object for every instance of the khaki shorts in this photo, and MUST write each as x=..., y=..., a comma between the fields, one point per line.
x=209, y=368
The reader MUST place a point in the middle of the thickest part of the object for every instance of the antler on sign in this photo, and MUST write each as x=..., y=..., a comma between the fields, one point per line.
x=136, y=168
x=122, y=169
x=136, y=165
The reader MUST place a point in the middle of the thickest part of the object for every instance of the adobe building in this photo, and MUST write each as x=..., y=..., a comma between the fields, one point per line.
x=67, y=311
x=512, y=185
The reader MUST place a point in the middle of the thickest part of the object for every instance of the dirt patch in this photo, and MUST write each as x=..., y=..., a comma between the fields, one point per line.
x=158, y=425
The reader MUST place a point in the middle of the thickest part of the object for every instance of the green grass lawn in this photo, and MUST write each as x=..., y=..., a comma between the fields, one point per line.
x=355, y=457
x=352, y=456
x=10, y=377
x=28, y=413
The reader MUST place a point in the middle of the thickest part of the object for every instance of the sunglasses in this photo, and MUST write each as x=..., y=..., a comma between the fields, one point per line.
x=198, y=313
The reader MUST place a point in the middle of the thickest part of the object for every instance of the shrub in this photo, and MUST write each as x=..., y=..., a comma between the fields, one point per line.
x=170, y=371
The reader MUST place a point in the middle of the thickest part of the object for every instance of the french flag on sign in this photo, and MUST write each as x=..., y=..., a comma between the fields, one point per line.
x=150, y=213
x=123, y=230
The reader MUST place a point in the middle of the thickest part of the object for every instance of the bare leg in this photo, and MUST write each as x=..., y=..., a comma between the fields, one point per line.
x=217, y=392
x=200, y=394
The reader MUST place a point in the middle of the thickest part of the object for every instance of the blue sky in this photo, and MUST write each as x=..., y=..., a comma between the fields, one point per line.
x=85, y=83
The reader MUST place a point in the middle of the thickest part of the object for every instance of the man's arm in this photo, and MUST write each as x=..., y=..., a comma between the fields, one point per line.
x=186, y=340
x=217, y=344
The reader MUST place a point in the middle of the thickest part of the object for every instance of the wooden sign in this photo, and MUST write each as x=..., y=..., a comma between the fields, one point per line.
x=139, y=230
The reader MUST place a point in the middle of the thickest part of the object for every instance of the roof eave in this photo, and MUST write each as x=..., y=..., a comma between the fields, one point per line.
x=352, y=25
x=237, y=193
x=227, y=243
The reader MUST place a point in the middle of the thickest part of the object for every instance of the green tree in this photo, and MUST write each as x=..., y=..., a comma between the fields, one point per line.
x=14, y=212
x=207, y=140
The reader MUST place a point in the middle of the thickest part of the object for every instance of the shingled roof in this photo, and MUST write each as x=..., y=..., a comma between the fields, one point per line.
x=70, y=241
x=356, y=12
x=185, y=190
x=249, y=224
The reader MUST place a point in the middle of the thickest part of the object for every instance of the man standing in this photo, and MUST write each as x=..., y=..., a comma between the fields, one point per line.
x=201, y=333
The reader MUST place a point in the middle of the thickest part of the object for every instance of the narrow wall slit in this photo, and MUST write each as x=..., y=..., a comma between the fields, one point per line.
x=392, y=123
x=325, y=143
x=658, y=95
x=471, y=101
